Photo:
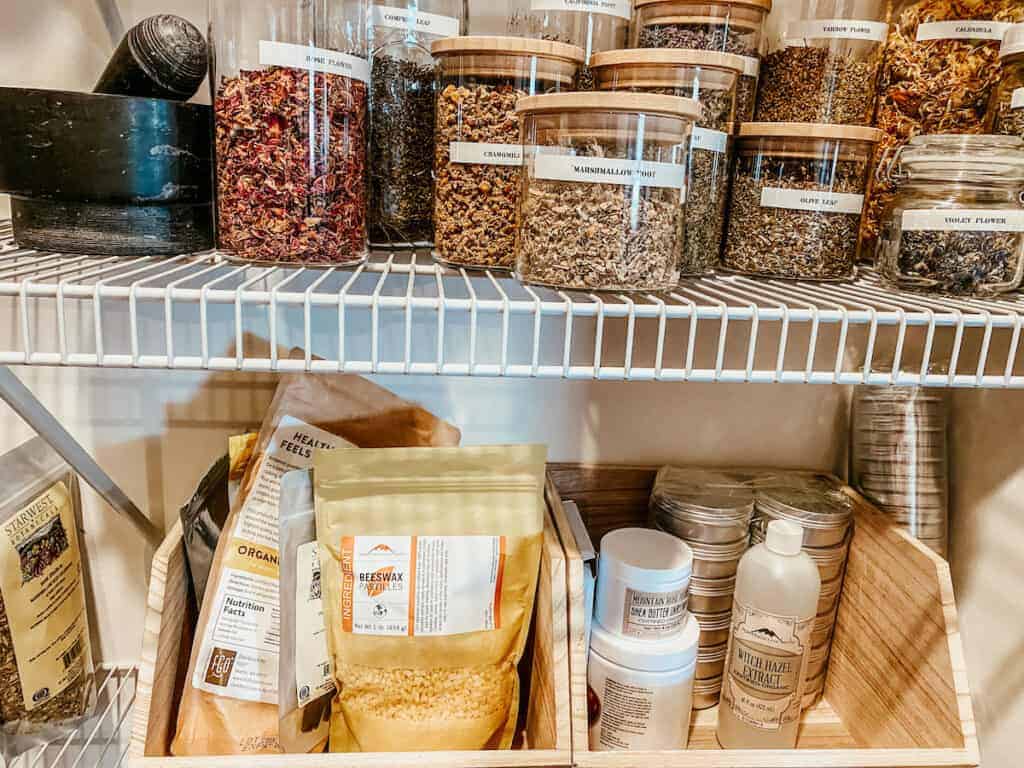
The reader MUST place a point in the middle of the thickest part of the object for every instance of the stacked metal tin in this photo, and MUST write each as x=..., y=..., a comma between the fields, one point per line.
x=711, y=512
x=900, y=458
x=818, y=504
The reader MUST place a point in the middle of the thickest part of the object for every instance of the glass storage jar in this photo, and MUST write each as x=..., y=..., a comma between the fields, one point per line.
x=603, y=187
x=478, y=156
x=402, y=102
x=727, y=26
x=710, y=78
x=1007, y=109
x=797, y=197
x=825, y=67
x=956, y=224
x=289, y=84
x=940, y=67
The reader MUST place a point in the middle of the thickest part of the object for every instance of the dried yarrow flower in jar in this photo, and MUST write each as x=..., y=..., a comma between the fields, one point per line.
x=710, y=78
x=726, y=26
x=402, y=100
x=941, y=63
x=290, y=109
x=825, y=68
x=478, y=154
x=604, y=190
x=1006, y=114
x=956, y=224
x=797, y=198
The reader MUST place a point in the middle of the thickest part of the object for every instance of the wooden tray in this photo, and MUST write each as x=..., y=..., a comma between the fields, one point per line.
x=896, y=694
x=170, y=619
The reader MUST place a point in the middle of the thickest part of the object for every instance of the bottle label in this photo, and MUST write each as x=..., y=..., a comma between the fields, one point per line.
x=766, y=662
x=1017, y=99
x=624, y=715
x=810, y=200
x=963, y=220
x=473, y=153
x=837, y=29
x=273, y=54
x=622, y=9
x=421, y=585
x=653, y=614
x=312, y=659
x=434, y=24
x=607, y=170
x=751, y=65
x=710, y=140
x=962, y=30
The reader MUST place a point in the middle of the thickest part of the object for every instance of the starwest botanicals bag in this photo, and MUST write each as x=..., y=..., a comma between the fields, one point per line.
x=429, y=563
x=229, y=705
x=46, y=667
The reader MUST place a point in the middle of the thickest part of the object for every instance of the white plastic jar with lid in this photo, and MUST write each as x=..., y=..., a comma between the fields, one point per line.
x=640, y=692
x=643, y=580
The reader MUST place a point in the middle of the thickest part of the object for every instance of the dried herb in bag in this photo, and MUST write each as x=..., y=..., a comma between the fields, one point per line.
x=431, y=558
x=230, y=701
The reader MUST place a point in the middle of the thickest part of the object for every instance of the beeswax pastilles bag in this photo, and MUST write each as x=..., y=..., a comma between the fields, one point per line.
x=429, y=563
x=229, y=705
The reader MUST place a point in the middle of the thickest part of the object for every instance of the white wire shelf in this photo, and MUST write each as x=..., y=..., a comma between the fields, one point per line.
x=403, y=314
x=102, y=740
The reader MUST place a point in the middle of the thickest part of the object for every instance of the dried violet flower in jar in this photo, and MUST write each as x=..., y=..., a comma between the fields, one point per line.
x=797, y=198
x=602, y=197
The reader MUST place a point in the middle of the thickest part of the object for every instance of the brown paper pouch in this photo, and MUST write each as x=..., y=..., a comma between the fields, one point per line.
x=429, y=560
x=229, y=705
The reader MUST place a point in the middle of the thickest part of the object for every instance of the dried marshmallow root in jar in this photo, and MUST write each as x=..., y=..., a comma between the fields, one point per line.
x=430, y=565
x=477, y=152
x=1007, y=109
x=797, y=197
x=711, y=79
x=605, y=181
x=725, y=26
x=956, y=224
x=825, y=67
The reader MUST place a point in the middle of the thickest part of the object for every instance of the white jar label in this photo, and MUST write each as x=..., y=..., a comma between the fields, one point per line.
x=765, y=667
x=962, y=30
x=709, y=140
x=421, y=586
x=313, y=59
x=1017, y=99
x=606, y=170
x=751, y=65
x=622, y=9
x=631, y=716
x=963, y=220
x=427, y=23
x=837, y=29
x=653, y=614
x=809, y=200
x=312, y=658
x=472, y=153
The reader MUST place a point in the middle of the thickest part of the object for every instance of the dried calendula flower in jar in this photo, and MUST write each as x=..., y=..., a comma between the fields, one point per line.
x=477, y=152
x=593, y=214
x=941, y=63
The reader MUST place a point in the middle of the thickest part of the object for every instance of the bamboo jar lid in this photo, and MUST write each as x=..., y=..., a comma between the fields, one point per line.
x=508, y=46
x=669, y=57
x=811, y=131
x=619, y=101
x=666, y=68
x=763, y=5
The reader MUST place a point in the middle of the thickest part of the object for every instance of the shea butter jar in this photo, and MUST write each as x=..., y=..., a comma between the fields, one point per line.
x=642, y=690
x=643, y=577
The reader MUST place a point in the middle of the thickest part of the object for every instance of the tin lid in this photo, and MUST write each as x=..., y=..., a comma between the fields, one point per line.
x=763, y=5
x=709, y=686
x=831, y=588
x=712, y=587
x=668, y=57
x=710, y=622
x=811, y=131
x=828, y=555
x=663, y=654
x=622, y=101
x=812, y=504
x=508, y=46
x=1013, y=41
x=719, y=553
x=709, y=508
x=712, y=653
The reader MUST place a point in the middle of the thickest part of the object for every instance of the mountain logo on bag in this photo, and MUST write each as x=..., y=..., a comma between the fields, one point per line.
x=383, y=548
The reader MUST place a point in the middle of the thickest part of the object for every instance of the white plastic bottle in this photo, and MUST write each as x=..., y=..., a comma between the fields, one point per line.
x=777, y=588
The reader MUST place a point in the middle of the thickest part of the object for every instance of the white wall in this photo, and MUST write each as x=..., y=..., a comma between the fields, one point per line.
x=157, y=432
